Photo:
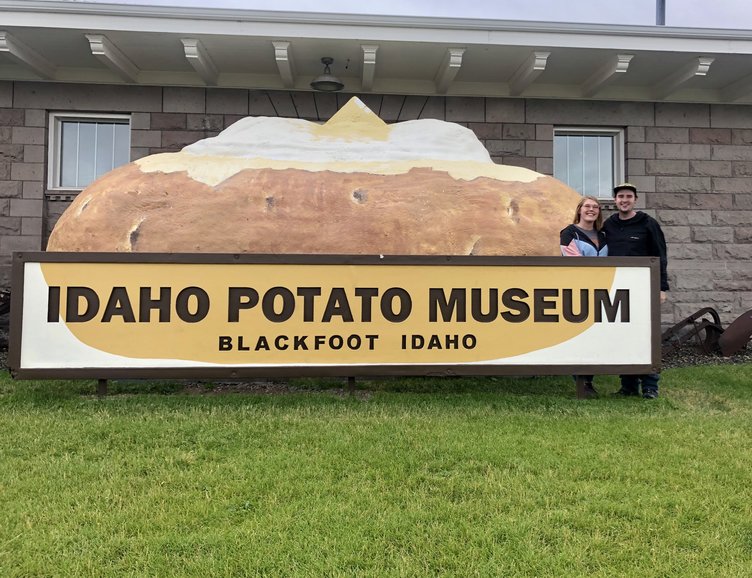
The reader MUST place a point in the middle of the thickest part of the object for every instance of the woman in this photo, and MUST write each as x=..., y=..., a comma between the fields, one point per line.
x=584, y=238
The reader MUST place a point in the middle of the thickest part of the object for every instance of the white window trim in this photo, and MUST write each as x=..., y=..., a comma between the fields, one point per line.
x=618, y=151
x=55, y=137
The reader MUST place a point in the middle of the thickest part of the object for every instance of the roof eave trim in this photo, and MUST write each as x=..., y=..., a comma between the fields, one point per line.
x=179, y=12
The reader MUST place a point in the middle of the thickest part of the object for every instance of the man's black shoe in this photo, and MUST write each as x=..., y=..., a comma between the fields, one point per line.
x=650, y=394
x=627, y=392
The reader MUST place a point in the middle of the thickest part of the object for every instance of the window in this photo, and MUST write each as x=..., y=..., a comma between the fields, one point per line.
x=84, y=147
x=589, y=160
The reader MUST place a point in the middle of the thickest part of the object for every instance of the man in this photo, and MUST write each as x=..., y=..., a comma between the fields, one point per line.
x=631, y=233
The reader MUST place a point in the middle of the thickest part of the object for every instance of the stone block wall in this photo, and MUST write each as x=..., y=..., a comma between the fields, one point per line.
x=691, y=162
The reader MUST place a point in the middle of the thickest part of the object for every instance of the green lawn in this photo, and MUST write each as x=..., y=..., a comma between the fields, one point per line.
x=420, y=477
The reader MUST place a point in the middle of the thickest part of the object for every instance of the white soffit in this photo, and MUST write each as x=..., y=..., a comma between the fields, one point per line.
x=616, y=65
x=528, y=71
x=449, y=68
x=283, y=58
x=416, y=55
x=369, y=65
x=110, y=56
x=695, y=67
x=200, y=60
x=26, y=56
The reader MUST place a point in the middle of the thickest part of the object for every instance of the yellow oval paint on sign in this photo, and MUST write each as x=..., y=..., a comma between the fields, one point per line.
x=300, y=314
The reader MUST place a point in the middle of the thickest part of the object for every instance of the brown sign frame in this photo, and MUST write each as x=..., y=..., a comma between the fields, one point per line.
x=17, y=294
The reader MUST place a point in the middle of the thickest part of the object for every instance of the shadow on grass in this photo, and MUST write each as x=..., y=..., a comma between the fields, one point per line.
x=44, y=391
x=562, y=386
x=680, y=387
x=47, y=392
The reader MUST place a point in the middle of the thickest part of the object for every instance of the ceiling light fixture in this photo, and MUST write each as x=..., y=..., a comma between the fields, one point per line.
x=327, y=82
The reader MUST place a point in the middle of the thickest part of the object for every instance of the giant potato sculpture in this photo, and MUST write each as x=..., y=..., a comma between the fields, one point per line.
x=354, y=185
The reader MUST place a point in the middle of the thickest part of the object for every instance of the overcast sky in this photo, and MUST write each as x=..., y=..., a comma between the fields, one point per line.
x=694, y=13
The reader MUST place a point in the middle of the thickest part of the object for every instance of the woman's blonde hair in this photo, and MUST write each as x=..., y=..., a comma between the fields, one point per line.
x=598, y=221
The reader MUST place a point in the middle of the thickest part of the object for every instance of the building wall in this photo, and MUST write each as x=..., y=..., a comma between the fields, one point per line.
x=691, y=162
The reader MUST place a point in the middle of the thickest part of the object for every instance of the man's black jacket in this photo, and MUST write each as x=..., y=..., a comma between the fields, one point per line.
x=640, y=236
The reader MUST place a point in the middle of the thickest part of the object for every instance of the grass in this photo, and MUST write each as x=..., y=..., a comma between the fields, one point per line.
x=421, y=477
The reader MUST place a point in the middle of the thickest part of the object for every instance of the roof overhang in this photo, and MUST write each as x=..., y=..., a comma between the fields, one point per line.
x=175, y=46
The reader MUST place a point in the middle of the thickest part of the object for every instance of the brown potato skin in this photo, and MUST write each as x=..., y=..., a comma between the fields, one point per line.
x=293, y=211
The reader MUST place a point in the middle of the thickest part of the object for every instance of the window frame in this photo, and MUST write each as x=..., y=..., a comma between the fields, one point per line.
x=618, y=149
x=54, y=153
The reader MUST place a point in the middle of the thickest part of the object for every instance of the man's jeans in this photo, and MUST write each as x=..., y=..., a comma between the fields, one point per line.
x=631, y=383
